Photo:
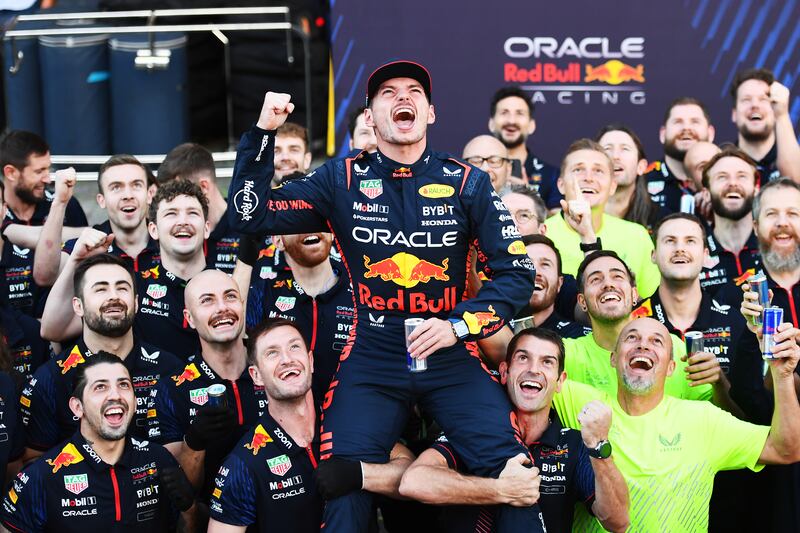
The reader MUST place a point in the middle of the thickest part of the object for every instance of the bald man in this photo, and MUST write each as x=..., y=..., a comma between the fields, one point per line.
x=200, y=435
x=669, y=449
x=490, y=155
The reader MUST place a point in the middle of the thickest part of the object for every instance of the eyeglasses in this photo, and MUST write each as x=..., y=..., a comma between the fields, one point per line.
x=523, y=216
x=494, y=161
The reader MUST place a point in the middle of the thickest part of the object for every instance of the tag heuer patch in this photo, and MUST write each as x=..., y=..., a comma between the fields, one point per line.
x=371, y=188
x=77, y=483
x=279, y=465
x=199, y=396
x=156, y=291
x=284, y=303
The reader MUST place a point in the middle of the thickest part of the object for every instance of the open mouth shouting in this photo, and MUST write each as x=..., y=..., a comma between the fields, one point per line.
x=531, y=386
x=183, y=233
x=642, y=362
x=311, y=240
x=610, y=296
x=223, y=321
x=114, y=414
x=290, y=373
x=404, y=117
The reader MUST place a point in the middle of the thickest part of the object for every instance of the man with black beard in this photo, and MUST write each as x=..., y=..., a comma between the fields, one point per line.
x=105, y=299
x=731, y=178
x=761, y=114
x=685, y=122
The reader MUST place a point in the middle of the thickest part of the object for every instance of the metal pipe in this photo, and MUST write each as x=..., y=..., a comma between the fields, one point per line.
x=156, y=29
x=147, y=159
x=142, y=13
x=225, y=172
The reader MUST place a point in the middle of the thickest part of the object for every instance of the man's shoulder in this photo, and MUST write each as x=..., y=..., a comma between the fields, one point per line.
x=149, y=356
x=624, y=229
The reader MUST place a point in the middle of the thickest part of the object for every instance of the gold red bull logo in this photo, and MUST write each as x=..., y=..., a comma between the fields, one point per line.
x=402, y=172
x=190, y=373
x=267, y=252
x=151, y=273
x=259, y=440
x=69, y=455
x=743, y=278
x=74, y=358
x=614, y=72
x=480, y=319
x=644, y=310
x=406, y=270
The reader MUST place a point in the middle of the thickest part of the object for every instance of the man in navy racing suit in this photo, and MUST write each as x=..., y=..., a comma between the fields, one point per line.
x=403, y=218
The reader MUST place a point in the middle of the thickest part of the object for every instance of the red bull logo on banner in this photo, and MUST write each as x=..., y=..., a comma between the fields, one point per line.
x=259, y=440
x=406, y=270
x=69, y=455
x=614, y=72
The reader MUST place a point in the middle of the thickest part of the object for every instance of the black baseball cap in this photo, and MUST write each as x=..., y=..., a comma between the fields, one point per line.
x=399, y=69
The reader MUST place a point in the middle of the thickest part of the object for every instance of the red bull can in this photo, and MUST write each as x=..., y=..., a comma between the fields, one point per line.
x=414, y=364
x=519, y=324
x=216, y=395
x=694, y=342
x=687, y=203
x=773, y=317
x=758, y=284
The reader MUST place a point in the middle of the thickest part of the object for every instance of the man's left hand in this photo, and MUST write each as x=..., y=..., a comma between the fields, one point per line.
x=430, y=336
x=779, y=99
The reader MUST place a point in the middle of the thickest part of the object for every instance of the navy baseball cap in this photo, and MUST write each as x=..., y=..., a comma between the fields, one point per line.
x=399, y=69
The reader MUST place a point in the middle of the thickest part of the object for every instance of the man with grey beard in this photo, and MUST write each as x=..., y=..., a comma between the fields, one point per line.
x=731, y=178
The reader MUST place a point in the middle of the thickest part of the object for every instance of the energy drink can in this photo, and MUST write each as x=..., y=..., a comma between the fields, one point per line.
x=773, y=317
x=216, y=395
x=687, y=203
x=758, y=284
x=414, y=364
x=694, y=342
x=519, y=324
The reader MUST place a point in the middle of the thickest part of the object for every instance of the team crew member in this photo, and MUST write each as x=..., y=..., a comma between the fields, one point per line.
x=27, y=350
x=25, y=160
x=284, y=493
x=695, y=162
x=606, y=291
x=685, y=123
x=587, y=181
x=105, y=300
x=98, y=479
x=766, y=134
x=195, y=163
x=123, y=193
x=178, y=221
x=679, y=303
x=12, y=440
x=511, y=121
x=576, y=466
x=315, y=293
x=630, y=200
x=292, y=152
x=18, y=290
x=731, y=179
x=362, y=137
x=687, y=443
x=197, y=434
x=490, y=155
x=400, y=268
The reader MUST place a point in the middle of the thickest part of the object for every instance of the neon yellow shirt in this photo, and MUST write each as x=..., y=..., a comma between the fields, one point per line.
x=630, y=240
x=589, y=363
x=668, y=457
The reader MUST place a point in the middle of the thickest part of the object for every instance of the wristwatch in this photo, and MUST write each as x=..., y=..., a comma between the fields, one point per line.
x=601, y=451
x=592, y=246
x=460, y=328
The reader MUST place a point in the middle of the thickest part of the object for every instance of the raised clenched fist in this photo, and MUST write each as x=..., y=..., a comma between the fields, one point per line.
x=65, y=184
x=275, y=110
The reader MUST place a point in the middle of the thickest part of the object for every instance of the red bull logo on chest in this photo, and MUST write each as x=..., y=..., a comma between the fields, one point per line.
x=406, y=270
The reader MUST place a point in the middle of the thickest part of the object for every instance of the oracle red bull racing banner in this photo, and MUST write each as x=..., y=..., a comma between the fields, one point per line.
x=583, y=64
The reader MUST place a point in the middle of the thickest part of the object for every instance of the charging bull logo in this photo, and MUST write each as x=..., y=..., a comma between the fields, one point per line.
x=68, y=455
x=259, y=440
x=190, y=373
x=151, y=273
x=480, y=319
x=614, y=72
x=74, y=358
x=406, y=269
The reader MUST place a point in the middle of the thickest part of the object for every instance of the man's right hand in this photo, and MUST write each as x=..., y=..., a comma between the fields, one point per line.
x=275, y=110
x=518, y=485
x=91, y=242
x=65, y=185
x=751, y=309
x=212, y=423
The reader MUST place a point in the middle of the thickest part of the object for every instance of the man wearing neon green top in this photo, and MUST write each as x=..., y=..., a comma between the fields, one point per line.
x=587, y=182
x=668, y=449
x=606, y=292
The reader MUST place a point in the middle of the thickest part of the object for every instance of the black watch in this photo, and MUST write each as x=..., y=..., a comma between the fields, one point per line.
x=592, y=246
x=601, y=451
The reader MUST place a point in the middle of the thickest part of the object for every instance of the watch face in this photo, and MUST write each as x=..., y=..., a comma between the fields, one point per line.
x=604, y=450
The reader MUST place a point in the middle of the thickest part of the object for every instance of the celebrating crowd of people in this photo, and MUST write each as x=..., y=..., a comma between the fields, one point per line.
x=406, y=340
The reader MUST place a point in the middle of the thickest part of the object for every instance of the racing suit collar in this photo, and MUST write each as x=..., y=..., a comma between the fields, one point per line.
x=392, y=169
x=93, y=460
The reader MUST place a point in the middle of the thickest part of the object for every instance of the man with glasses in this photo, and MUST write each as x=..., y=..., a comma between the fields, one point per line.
x=491, y=156
x=527, y=209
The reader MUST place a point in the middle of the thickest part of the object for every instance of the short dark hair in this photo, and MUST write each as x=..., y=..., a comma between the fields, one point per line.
x=686, y=100
x=591, y=258
x=261, y=329
x=681, y=216
x=17, y=146
x=780, y=183
x=539, y=333
x=618, y=126
x=118, y=160
x=99, y=358
x=186, y=160
x=508, y=92
x=586, y=144
x=290, y=129
x=729, y=150
x=100, y=259
x=353, y=120
x=538, y=204
x=541, y=239
x=171, y=190
x=761, y=74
